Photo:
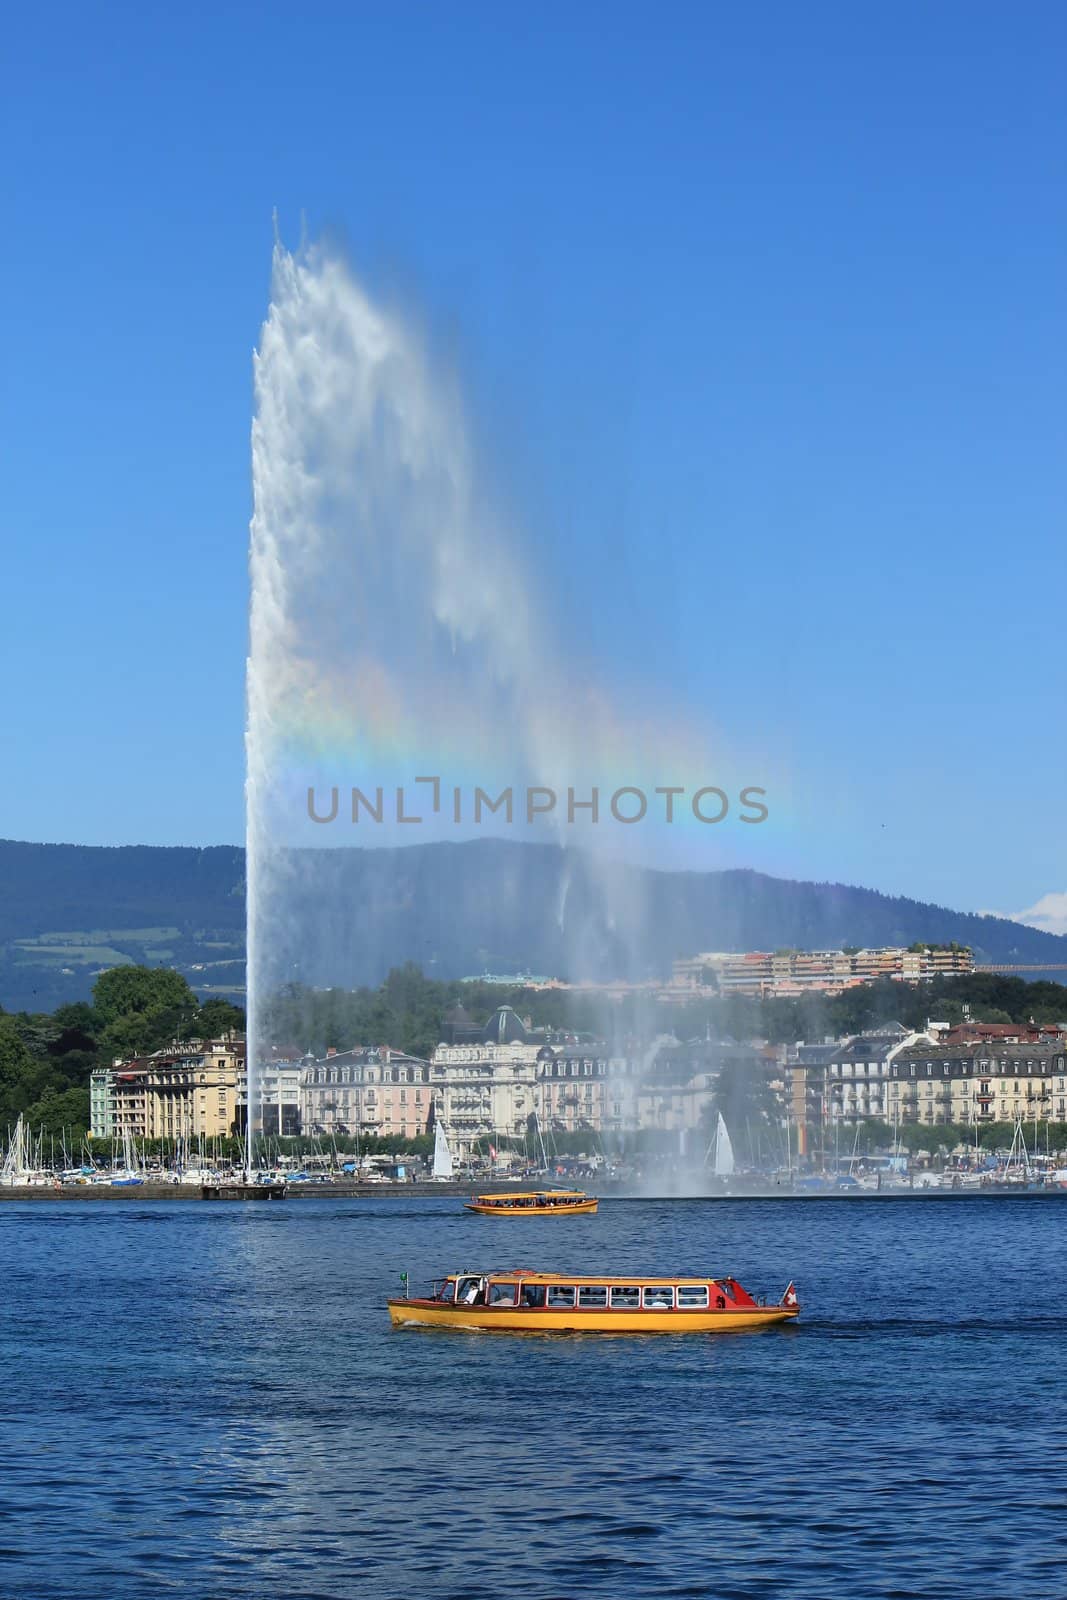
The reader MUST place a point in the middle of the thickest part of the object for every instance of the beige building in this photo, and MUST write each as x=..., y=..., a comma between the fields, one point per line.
x=485, y=1088
x=1058, y=1112
x=581, y=1089
x=188, y=1091
x=976, y=1084
x=506, y=1081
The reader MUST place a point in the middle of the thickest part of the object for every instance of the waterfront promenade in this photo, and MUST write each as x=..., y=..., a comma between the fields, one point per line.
x=768, y=1190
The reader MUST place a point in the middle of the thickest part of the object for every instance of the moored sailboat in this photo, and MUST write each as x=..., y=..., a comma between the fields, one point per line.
x=724, y=1150
x=442, y=1155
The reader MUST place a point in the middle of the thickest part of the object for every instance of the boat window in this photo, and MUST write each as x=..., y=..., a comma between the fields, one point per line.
x=691, y=1295
x=593, y=1297
x=503, y=1294
x=626, y=1297
x=533, y=1294
x=561, y=1295
x=658, y=1297
x=447, y=1291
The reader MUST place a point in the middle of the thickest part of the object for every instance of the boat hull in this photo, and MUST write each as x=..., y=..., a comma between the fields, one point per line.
x=518, y=1319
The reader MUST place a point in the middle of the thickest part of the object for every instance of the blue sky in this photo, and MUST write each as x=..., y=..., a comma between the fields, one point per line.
x=760, y=314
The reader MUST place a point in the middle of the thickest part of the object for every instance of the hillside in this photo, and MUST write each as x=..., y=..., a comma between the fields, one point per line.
x=456, y=909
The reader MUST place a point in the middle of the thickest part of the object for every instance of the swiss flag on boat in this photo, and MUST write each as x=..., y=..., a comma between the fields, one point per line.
x=492, y=1153
x=790, y=1296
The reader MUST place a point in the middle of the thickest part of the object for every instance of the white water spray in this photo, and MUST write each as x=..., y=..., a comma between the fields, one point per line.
x=389, y=625
x=393, y=629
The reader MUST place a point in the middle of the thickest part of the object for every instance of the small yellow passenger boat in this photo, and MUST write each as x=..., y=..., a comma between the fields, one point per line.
x=534, y=1203
x=549, y=1302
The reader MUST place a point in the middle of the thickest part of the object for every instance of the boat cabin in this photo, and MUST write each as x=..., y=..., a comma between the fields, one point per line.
x=535, y=1199
x=543, y=1291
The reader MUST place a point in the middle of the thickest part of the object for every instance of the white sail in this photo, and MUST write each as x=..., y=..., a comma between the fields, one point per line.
x=15, y=1169
x=724, y=1151
x=442, y=1155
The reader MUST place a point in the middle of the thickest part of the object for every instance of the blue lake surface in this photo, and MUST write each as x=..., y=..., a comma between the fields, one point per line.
x=208, y=1401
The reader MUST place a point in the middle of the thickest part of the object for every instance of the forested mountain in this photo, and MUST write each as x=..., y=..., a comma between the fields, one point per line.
x=67, y=911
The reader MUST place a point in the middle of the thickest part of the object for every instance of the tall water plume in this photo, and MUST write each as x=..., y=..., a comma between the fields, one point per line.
x=394, y=631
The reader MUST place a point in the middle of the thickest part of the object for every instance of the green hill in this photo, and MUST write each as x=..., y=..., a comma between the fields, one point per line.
x=70, y=910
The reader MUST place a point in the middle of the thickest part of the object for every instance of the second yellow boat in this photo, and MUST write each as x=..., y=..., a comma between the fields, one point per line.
x=534, y=1203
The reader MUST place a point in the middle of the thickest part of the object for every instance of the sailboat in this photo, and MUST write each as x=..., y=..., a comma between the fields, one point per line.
x=15, y=1169
x=127, y=1176
x=1018, y=1168
x=724, y=1150
x=442, y=1155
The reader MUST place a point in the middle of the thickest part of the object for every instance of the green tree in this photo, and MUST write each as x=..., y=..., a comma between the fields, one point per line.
x=142, y=1009
x=139, y=991
x=59, y=1112
x=22, y=1075
x=218, y=1017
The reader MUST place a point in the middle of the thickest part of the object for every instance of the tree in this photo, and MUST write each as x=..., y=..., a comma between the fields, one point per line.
x=142, y=1009
x=22, y=1075
x=59, y=1112
x=79, y=1028
x=218, y=1017
x=138, y=991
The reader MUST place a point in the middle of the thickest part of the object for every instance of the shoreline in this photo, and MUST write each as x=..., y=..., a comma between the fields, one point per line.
x=433, y=1191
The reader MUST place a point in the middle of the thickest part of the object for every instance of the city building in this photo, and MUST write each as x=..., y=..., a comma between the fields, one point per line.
x=188, y=1091
x=101, y=1103
x=506, y=1081
x=577, y=1089
x=993, y=1033
x=485, y=1079
x=858, y=1071
x=792, y=973
x=380, y=1091
x=977, y=1083
x=806, y=1067
x=280, y=1091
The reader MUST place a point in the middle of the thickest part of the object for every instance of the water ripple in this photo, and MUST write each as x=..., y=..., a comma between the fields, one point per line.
x=208, y=1402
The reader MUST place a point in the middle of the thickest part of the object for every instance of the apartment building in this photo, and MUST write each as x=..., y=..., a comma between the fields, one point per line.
x=506, y=1080
x=378, y=1091
x=279, y=1092
x=101, y=1103
x=857, y=1073
x=977, y=1083
x=187, y=1091
x=792, y=973
x=806, y=1069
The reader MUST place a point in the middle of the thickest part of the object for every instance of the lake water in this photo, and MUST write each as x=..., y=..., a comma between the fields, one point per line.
x=208, y=1401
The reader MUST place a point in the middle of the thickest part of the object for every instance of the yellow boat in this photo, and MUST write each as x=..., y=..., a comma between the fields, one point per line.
x=534, y=1203
x=551, y=1302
